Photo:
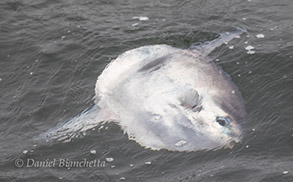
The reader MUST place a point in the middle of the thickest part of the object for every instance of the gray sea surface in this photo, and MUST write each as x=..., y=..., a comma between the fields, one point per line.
x=52, y=51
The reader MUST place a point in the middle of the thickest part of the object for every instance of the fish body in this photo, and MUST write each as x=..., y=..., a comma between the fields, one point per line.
x=170, y=98
x=165, y=98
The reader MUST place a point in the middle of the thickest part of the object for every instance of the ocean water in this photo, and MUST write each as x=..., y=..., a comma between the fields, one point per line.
x=52, y=51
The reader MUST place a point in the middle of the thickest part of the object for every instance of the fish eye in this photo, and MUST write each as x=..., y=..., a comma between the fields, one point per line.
x=223, y=121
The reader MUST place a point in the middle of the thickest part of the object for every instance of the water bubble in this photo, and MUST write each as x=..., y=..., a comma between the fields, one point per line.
x=122, y=179
x=231, y=47
x=93, y=151
x=249, y=47
x=148, y=163
x=131, y=165
x=247, y=146
x=134, y=24
x=0, y=79
x=244, y=19
x=31, y=73
x=63, y=37
x=141, y=18
x=109, y=159
x=260, y=36
x=285, y=172
x=24, y=152
x=233, y=91
x=250, y=52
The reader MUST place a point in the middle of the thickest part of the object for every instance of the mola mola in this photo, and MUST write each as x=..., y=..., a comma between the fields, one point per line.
x=165, y=98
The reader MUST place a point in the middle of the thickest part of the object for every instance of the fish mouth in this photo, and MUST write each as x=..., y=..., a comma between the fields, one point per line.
x=232, y=142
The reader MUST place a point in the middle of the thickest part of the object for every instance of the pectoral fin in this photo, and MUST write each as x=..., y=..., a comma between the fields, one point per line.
x=190, y=99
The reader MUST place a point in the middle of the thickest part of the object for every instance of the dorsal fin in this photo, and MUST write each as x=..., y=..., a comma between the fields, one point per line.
x=224, y=38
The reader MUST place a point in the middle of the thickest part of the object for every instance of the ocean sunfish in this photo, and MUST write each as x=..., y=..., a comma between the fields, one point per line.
x=165, y=98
